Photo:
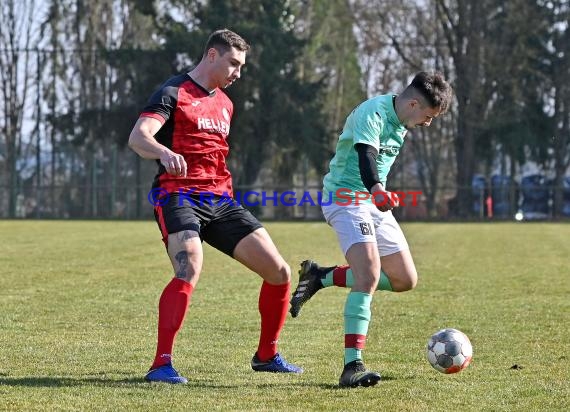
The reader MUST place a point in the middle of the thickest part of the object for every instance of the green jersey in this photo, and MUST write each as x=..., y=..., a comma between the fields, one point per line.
x=373, y=122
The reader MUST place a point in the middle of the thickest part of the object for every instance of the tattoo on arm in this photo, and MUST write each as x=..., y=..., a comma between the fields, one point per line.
x=182, y=259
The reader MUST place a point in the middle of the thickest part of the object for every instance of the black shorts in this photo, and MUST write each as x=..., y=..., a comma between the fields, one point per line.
x=221, y=222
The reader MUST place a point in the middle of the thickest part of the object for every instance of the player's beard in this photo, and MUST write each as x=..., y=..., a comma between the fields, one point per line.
x=414, y=127
x=229, y=83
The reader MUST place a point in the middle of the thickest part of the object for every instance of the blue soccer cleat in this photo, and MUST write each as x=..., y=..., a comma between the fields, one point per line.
x=165, y=373
x=276, y=364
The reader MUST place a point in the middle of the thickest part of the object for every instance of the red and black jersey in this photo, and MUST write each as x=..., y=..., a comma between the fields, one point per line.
x=195, y=124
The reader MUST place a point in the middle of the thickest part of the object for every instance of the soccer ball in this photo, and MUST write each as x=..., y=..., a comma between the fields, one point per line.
x=449, y=351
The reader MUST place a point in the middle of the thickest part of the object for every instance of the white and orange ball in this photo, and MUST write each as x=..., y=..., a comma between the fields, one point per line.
x=449, y=351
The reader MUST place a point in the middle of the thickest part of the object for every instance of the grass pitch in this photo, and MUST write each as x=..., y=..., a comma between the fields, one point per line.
x=78, y=318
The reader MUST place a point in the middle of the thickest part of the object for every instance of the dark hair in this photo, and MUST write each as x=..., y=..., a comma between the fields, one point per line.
x=433, y=88
x=223, y=40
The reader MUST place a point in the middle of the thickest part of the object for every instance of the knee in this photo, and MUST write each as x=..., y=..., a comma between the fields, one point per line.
x=370, y=283
x=405, y=283
x=279, y=275
x=284, y=273
x=412, y=281
x=189, y=275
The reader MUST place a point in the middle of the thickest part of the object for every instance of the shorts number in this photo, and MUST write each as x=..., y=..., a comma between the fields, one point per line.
x=366, y=229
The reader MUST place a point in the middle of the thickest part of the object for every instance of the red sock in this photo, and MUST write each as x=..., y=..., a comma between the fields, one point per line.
x=273, y=303
x=172, y=309
x=339, y=275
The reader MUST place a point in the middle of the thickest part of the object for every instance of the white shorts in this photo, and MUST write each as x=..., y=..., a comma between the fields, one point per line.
x=365, y=223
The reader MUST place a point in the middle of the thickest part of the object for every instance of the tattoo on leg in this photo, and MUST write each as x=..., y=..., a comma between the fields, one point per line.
x=182, y=259
x=187, y=235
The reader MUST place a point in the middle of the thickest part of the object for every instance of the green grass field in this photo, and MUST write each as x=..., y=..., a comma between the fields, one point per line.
x=78, y=318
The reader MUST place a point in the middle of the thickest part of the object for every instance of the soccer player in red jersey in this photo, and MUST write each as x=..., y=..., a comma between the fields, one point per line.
x=185, y=127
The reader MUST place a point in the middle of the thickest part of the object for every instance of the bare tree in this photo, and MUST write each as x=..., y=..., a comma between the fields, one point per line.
x=464, y=26
x=17, y=38
x=330, y=56
x=397, y=39
x=560, y=56
x=103, y=61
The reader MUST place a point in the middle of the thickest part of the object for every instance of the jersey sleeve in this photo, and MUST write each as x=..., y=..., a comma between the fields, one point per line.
x=367, y=127
x=161, y=104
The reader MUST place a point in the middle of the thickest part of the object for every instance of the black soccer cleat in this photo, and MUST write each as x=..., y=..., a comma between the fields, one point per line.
x=355, y=374
x=310, y=276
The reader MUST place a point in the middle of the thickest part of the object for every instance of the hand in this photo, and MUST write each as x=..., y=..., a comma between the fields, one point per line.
x=174, y=163
x=385, y=200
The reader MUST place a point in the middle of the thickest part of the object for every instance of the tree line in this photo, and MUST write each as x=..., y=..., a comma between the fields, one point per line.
x=75, y=74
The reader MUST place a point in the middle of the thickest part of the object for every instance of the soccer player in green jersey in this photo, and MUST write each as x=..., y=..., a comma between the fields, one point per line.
x=375, y=247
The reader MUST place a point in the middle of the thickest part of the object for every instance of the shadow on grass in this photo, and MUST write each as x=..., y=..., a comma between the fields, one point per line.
x=320, y=385
x=34, y=381
x=56, y=382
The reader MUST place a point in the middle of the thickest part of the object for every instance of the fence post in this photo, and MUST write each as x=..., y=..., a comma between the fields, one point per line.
x=38, y=138
x=482, y=203
x=113, y=178
x=94, y=185
x=138, y=186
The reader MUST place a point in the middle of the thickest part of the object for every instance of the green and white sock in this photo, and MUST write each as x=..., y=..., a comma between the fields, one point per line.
x=356, y=320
